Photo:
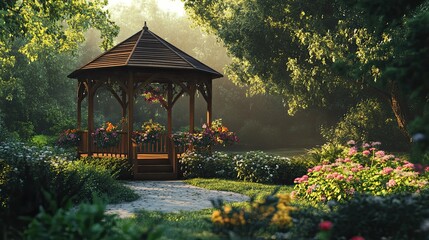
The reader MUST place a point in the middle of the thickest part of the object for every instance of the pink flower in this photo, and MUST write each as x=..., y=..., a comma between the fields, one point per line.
x=409, y=165
x=391, y=183
x=387, y=170
x=380, y=154
x=325, y=225
x=352, y=151
x=351, y=142
x=339, y=177
x=366, y=145
x=354, y=169
x=317, y=168
x=427, y=169
x=366, y=152
x=357, y=238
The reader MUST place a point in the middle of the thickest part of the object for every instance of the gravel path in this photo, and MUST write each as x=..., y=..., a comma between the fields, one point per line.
x=170, y=196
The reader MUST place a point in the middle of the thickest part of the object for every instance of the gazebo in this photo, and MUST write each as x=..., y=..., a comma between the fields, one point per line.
x=126, y=69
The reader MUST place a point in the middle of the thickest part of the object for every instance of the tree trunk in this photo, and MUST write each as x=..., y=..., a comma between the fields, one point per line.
x=399, y=108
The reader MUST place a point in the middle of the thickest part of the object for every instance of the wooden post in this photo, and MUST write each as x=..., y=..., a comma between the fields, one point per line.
x=91, y=94
x=124, y=109
x=79, y=105
x=192, y=89
x=209, y=103
x=170, y=144
x=130, y=117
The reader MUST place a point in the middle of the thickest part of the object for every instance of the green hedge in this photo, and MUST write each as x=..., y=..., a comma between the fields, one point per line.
x=251, y=166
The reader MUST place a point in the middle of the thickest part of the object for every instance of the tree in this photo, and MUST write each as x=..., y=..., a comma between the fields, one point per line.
x=308, y=52
x=41, y=26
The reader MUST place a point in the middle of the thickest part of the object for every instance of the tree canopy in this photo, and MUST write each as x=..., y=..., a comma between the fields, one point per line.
x=307, y=51
x=34, y=28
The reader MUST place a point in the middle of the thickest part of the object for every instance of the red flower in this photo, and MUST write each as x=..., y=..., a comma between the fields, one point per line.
x=325, y=225
x=357, y=238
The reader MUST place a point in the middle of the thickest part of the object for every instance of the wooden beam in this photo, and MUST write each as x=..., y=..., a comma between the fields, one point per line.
x=203, y=92
x=177, y=97
x=130, y=116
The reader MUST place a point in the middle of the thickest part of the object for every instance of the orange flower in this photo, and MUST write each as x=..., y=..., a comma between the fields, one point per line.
x=110, y=127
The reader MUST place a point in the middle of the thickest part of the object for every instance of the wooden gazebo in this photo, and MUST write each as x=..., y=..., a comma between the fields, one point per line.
x=125, y=70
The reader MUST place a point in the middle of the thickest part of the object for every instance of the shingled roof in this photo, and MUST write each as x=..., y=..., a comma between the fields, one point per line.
x=145, y=49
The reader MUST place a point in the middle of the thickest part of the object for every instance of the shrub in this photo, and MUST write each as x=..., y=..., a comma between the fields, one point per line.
x=29, y=173
x=367, y=170
x=119, y=168
x=272, y=213
x=87, y=221
x=206, y=165
x=397, y=216
x=327, y=152
x=42, y=140
x=99, y=182
x=261, y=167
x=251, y=166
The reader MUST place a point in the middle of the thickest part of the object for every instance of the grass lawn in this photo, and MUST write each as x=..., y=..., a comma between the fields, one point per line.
x=245, y=188
x=197, y=225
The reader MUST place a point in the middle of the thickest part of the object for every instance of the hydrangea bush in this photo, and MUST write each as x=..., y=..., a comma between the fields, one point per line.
x=364, y=169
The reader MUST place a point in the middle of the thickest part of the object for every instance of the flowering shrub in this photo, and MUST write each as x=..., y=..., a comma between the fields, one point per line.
x=69, y=138
x=273, y=211
x=361, y=170
x=150, y=132
x=106, y=136
x=207, y=165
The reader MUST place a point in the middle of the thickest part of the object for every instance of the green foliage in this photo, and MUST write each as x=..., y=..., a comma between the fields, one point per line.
x=30, y=174
x=98, y=181
x=207, y=165
x=383, y=219
x=327, y=152
x=365, y=122
x=189, y=225
x=368, y=171
x=87, y=221
x=43, y=140
x=119, y=168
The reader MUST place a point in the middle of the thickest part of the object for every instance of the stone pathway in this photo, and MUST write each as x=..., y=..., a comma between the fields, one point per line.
x=170, y=196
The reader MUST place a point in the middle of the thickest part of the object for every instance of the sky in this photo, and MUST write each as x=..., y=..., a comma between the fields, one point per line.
x=173, y=6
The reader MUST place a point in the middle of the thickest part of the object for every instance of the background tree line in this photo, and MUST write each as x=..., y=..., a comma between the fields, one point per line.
x=282, y=56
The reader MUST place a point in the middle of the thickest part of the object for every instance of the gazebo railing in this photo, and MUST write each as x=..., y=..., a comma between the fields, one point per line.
x=119, y=150
x=158, y=147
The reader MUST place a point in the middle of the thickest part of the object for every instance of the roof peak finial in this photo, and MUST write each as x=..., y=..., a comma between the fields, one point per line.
x=145, y=26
